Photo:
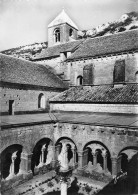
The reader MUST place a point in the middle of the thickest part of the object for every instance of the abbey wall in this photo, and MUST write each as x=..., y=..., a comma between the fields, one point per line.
x=25, y=100
x=103, y=68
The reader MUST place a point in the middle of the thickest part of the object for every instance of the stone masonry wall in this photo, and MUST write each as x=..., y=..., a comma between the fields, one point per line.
x=26, y=136
x=53, y=63
x=24, y=100
x=103, y=68
x=84, y=107
x=113, y=138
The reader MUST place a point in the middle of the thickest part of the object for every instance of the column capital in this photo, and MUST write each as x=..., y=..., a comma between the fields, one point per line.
x=26, y=155
x=80, y=153
x=104, y=154
x=114, y=158
x=94, y=153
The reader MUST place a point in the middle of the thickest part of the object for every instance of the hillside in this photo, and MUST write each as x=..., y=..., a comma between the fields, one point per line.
x=126, y=22
x=26, y=51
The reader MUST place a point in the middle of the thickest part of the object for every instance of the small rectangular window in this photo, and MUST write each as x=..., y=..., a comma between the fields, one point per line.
x=119, y=71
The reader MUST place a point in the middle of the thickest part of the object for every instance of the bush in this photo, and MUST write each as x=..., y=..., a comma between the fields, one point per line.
x=50, y=184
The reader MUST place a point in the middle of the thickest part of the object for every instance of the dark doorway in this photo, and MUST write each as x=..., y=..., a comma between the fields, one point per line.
x=11, y=107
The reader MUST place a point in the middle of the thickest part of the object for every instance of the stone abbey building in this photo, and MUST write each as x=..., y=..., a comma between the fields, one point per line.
x=92, y=106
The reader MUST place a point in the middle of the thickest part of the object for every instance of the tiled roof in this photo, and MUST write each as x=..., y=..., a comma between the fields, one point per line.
x=62, y=18
x=120, y=42
x=127, y=93
x=19, y=71
x=57, y=49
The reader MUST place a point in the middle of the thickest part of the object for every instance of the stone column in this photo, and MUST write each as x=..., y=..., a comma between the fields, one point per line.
x=114, y=166
x=85, y=158
x=119, y=164
x=104, y=155
x=80, y=160
x=74, y=156
x=54, y=156
x=63, y=188
x=43, y=151
x=94, y=158
x=25, y=165
x=57, y=151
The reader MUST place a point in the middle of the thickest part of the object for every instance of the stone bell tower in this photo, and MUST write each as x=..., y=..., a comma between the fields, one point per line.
x=61, y=30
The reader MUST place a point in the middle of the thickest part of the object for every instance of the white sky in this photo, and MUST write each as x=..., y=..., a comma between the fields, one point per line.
x=25, y=21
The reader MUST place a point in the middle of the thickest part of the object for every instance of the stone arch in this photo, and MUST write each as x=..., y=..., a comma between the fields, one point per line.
x=41, y=138
x=98, y=142
x=79, y=80
x=70, y=32
x=41, y=101
x=6, y=160
x=13, y=142
x=57, y=35
x=40, y=152
x=126, y=148
x=66, y=138
x=72, y=149
x=129, y=164
x=136, y=77
x=101, y=156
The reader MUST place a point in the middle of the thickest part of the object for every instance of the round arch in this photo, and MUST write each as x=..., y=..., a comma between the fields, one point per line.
x=37, y=151
x=66, y=138
x=70, y=32
x=6, y=159
x=98, y=150
x=79, y=80
x=41, y=101
x=13, y=142
x=57, y=35
x=97, y=142
x=127, y=148
x=129, y=164
x=70, y=147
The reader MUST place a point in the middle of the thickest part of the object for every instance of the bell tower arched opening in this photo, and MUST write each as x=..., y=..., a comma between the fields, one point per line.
x=57, y=35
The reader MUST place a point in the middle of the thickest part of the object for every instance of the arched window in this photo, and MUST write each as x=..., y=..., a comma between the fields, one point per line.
x=70, y=32
x=57, y=35
x=41, y=101
x=136, y=77
x=11, y=107
x=79, y=80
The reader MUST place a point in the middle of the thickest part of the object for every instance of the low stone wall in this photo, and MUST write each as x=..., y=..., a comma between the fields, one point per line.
x=85, y=107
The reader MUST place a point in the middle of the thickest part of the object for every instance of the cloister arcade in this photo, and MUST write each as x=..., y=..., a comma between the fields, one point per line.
x=95, y=156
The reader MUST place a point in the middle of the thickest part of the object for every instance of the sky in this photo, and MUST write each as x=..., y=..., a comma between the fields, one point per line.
x=25, y=22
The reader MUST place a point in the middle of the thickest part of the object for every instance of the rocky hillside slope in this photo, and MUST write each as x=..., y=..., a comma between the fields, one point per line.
x=126, y=22
x=26, y=51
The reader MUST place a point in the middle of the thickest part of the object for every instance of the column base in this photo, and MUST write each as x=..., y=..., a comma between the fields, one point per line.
x=36, y=171
x=82, y=168
x=28, y=175
x=75, y=166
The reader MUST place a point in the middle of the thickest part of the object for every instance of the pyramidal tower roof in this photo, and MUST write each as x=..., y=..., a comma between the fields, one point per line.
x=62, y=18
